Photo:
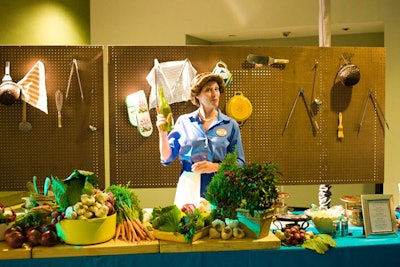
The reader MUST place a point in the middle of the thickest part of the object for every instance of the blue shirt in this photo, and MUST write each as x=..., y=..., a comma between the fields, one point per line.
x=191, y=143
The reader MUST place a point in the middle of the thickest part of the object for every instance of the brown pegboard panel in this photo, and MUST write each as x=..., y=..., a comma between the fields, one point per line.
x=46, y=149
x=134, y=158
x=306, y=155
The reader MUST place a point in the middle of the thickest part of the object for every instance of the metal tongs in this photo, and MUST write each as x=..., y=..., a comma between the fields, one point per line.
x=74, y=64
x=309, y=110
x=377, y=107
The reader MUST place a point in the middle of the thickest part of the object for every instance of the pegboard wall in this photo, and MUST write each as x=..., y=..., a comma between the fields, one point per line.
x=308, y=149
x=47, y=149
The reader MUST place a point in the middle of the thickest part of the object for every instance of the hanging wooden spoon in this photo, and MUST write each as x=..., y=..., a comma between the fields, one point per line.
x=24, y=125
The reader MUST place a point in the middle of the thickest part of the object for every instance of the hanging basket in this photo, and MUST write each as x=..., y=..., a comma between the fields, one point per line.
x=256, y=226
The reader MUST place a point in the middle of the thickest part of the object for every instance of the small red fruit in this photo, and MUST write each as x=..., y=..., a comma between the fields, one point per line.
x=296, y=236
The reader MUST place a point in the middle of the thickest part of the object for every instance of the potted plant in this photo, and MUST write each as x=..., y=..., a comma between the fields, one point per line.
x=250, y=190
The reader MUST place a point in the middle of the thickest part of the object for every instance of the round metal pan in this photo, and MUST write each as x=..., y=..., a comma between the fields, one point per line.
x=239, y=107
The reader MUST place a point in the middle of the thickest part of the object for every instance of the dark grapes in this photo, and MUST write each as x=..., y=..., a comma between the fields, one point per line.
x=292, y=236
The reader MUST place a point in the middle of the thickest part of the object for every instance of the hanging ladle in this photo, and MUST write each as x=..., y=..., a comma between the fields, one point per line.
x=9, y=90
x=315, y=100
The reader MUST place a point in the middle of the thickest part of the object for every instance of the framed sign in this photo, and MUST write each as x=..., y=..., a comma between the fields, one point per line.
x=378, y=213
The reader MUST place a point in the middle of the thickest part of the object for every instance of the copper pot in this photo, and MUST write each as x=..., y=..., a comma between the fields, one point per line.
x=349, y=74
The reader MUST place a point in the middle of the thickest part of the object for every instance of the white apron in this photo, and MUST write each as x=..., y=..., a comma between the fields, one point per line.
x=188, y=189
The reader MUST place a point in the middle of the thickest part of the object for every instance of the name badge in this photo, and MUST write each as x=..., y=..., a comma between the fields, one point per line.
x=221, y=132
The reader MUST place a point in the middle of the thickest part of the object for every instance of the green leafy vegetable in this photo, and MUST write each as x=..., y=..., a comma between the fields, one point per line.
x=320, y=243
x=193, y=222
x=33, y=218
x=166, y=218
x=60, y=192
x=68, y=191
x=172, y=219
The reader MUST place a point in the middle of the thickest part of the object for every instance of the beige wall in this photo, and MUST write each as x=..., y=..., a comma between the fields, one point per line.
x=45, y=22
x=139, y=23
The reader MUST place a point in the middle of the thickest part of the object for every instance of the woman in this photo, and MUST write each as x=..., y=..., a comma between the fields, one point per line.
x=201, y=139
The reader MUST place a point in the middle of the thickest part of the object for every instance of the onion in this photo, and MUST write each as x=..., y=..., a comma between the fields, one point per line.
x=49, y=239
x=33, y=236
x=10, y=230
x=15, y=239
x=110, y=207
x=48, y=227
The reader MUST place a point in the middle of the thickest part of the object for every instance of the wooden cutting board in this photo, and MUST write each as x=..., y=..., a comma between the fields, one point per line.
x=208, y=244
x=111, y=247
x=7, y=253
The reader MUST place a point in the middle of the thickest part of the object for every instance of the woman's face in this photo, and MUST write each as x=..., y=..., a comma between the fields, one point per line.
x=209, y=95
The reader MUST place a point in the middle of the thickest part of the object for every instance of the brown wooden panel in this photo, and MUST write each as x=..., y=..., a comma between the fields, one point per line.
x=46, y=149
x=306, y=155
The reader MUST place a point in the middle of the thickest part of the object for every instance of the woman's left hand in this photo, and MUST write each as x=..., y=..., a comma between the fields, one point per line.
x=205, y=167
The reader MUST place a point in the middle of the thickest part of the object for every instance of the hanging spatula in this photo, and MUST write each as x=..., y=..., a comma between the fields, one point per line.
x=59, y=103
x=260, y=61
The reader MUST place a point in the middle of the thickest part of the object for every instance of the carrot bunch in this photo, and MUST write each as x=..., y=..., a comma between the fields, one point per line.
x=129, y=227
x=129, y=215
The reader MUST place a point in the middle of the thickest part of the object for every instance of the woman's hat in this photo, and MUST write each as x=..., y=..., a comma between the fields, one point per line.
x=201, y=79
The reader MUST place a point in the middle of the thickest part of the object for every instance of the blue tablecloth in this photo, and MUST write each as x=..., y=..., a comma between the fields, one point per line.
x=353, y=250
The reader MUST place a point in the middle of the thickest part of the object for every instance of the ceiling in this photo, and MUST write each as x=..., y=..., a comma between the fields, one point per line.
x=267, y=19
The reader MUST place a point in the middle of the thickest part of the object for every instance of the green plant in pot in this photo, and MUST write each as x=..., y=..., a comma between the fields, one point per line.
x=252, y=187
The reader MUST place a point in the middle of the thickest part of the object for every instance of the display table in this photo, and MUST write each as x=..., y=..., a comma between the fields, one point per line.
x=353, y=250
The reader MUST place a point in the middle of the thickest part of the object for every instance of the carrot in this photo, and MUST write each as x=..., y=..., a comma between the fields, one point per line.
x=139, y=223
x=141, y=227
x=135, y=236
x=127, y=231
x=118, y=232
x=139, y=230
x=148, y=233
x=123, y=232
x=43, y=207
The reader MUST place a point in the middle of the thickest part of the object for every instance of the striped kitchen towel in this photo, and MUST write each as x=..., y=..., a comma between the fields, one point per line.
x=34, y=87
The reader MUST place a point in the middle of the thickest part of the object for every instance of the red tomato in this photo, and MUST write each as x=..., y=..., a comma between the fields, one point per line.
x=188, y=207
